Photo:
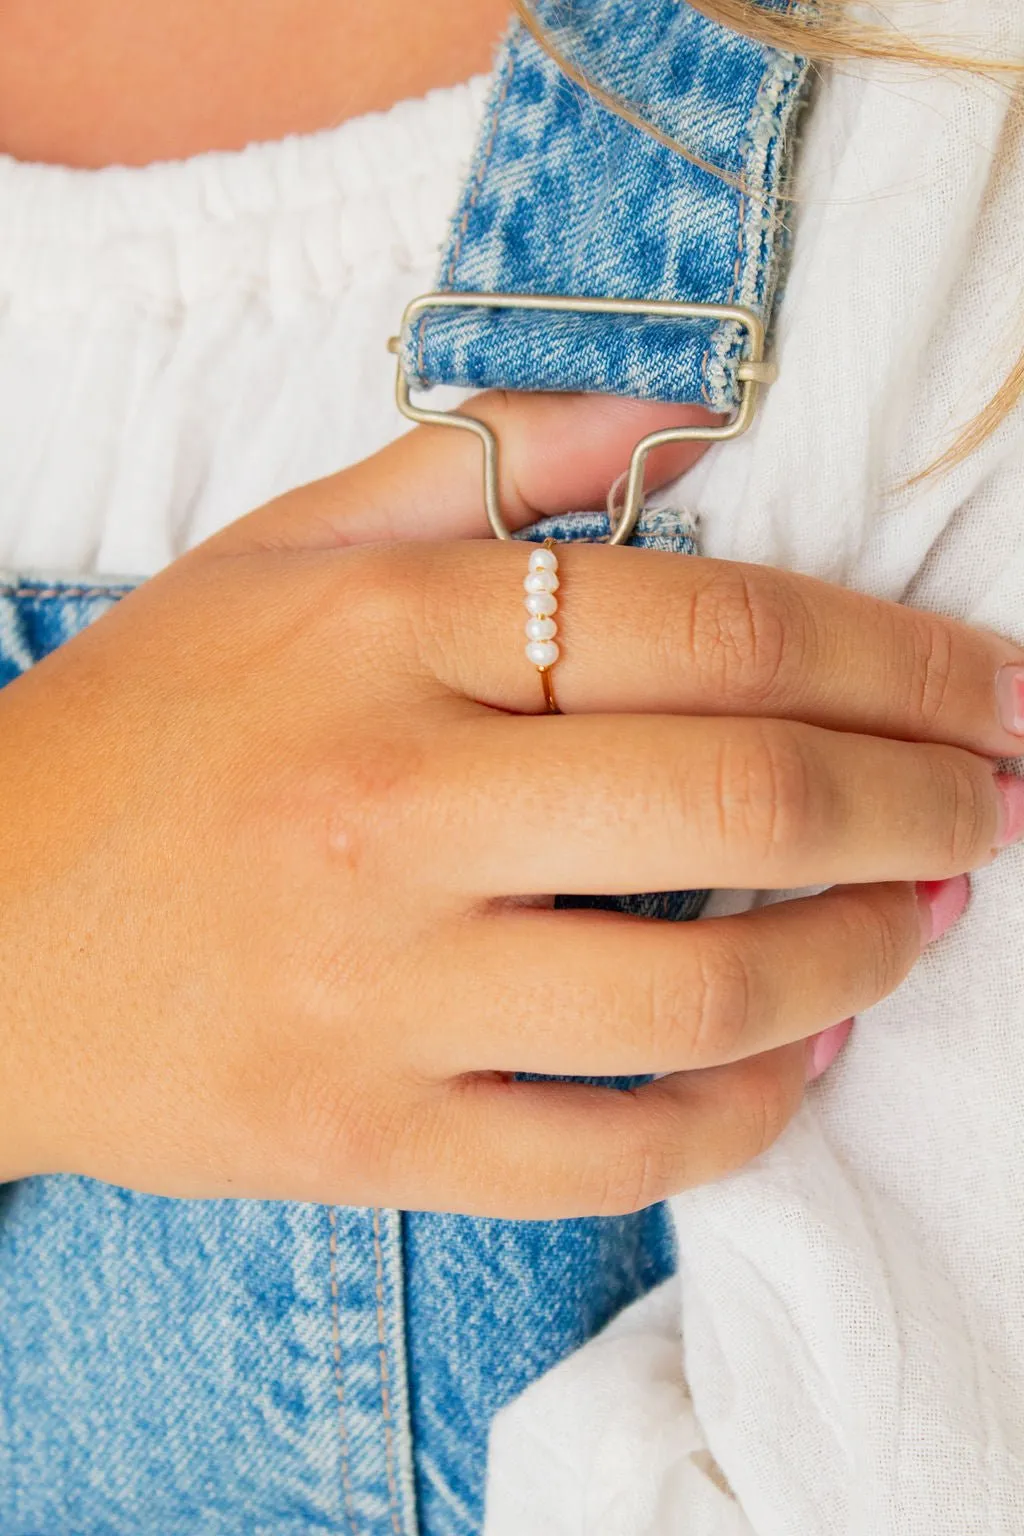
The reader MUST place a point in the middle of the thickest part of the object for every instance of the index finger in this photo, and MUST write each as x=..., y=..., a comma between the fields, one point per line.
x=642, y=631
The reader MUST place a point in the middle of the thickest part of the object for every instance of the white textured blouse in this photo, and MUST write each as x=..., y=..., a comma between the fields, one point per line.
x=179, y=343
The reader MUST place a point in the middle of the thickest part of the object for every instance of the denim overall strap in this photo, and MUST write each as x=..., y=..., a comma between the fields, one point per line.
x=565, y=197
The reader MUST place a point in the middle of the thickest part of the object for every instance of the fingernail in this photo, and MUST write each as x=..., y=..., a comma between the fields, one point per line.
x=1011, y=790
x=940, y=903
x=823, y=1049
x=1010, y=693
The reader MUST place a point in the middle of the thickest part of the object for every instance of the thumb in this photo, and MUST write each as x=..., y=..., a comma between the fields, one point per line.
x=557, y=453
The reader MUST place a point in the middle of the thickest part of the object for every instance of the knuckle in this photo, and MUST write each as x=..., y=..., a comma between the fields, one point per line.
x=383, y=786
x=746, y=634
x=931, y=675
x=322, y=1130
x=343, y=1141
x=888, y=941
x=638, y=1173
x=967, y=792
x=355, y=810
x=719, y=1005
x=763, y=1104
x=300, y=1114
x=379, y=589
x=771, y=794
x=368, y=1135
x=442, y=589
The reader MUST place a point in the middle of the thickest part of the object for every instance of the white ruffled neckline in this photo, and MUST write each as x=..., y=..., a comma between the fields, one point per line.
x=393, y=149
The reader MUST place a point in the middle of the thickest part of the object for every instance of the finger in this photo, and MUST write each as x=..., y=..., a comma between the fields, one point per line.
x=599, y=994
x=497, y=1147
x=607, y=804
x=644, y=631
x=556, y=453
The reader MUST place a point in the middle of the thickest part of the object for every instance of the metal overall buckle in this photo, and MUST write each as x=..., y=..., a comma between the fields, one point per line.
x=752, y=372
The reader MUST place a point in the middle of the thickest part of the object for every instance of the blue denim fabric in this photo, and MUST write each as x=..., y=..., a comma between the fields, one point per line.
x=37, y=615
x=567, y=198
x=188, y=1368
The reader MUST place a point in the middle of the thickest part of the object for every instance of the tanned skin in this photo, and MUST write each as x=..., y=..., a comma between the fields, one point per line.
x=90, y=83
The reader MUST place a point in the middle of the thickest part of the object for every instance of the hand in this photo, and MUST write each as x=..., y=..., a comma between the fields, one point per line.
x=268, y=820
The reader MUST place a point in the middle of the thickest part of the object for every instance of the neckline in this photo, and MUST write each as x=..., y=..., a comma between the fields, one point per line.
x=413, y=141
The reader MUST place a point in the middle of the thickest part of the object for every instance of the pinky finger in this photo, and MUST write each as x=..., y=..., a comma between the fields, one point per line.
x=546, y=1150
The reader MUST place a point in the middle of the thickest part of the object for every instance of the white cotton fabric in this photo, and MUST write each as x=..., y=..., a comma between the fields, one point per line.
x=844, y=1345
x=182, y=342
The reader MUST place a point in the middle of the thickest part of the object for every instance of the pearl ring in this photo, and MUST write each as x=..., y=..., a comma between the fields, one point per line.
x=541, y=604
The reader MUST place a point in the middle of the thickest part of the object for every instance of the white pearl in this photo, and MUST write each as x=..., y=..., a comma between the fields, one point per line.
x=541, y=581
x=539, y=604
x=541, y=629
x=543, y=560
x=543, y=653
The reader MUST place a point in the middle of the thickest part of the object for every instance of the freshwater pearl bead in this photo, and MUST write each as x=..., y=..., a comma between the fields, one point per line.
x=543, y=653
x=541, y=581
x=543, y=560
x=541, y=629
x=540, y=604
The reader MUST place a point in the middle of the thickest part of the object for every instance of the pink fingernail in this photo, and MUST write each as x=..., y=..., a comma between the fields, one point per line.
x=941, y=903
x=823, y=1049
x=1012, y=791
x=1010, y=693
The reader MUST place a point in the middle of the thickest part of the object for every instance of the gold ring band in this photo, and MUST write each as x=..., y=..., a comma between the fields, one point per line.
x=549, y=692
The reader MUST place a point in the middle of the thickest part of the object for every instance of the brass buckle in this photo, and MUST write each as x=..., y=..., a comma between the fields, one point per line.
x=753, y=371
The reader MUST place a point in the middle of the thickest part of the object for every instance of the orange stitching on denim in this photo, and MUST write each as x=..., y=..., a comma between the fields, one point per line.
x=339, y=1386
x=385, y=1396
x=478, y=182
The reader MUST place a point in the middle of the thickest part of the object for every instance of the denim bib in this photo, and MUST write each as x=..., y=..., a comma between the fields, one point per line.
x=216, y=1368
